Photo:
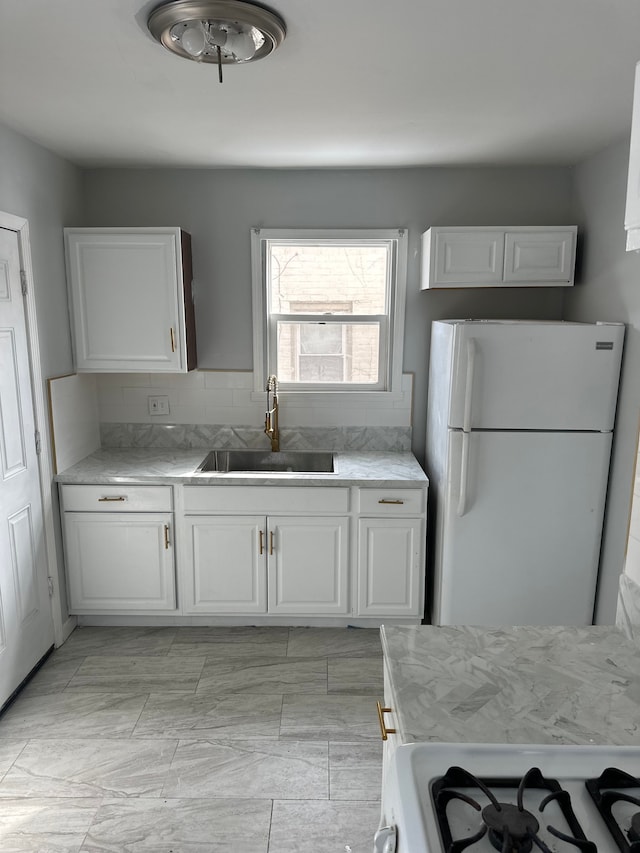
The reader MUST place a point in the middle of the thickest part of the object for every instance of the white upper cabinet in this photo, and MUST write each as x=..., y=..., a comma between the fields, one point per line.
x=130, y=299
x=498, y=257
x=632, y=212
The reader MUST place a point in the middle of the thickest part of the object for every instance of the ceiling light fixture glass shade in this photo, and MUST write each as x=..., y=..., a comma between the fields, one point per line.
x=224, y=32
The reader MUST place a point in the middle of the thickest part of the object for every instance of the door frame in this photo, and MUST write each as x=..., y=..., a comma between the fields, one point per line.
x=20, y=226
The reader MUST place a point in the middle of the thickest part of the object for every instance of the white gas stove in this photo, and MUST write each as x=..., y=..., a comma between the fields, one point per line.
x=446, y=798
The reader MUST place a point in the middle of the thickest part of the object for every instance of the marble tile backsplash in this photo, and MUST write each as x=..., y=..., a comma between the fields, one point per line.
x=207, y=436
x=628, y=612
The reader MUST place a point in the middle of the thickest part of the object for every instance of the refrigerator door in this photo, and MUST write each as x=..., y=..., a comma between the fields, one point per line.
x=527, y=375
x=519, y=540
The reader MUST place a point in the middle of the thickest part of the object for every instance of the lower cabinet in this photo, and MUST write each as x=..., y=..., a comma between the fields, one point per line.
x=245, y=551
x=261, y=564
x=118, y=561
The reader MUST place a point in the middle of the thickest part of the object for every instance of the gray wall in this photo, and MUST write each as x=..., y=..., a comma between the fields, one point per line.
x=608, y=288
x=219, y=207
x=46, y=190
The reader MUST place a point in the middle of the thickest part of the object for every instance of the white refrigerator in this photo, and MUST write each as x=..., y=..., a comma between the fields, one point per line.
x=519, y=429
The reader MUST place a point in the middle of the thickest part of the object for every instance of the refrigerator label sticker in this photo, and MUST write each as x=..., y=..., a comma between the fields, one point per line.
x=604, y=344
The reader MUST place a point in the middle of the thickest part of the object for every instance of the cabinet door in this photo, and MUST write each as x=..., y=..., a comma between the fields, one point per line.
x=119, y=562
x=308, y=565
x=225, y=569
x=390, y=567
x=463, y=258
x=539, y=256
x=126, y=293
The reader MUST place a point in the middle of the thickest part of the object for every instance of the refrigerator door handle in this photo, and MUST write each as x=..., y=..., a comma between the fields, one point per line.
x=464, y=475
x=468, y=388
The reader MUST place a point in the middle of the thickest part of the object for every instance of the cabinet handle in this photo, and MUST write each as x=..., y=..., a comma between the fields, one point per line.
x=390, y=501
x=173, y=340
x=166, y=537
x=108, y=498
x=261, y=543
x=271, y=543
x=384, y=731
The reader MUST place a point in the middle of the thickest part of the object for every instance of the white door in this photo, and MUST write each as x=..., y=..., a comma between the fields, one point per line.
x=307, y=565
x=124, y=300
x=522, y=548
x=26, y=626
x=225, y=569
x=526, y=375
x=389, y=566
x=118, y=562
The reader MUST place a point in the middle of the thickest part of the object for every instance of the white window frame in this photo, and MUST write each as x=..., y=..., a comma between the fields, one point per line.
x=391, y=341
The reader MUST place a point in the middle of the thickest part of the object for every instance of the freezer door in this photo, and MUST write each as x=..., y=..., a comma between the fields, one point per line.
x=525, y=375
x=522, y=547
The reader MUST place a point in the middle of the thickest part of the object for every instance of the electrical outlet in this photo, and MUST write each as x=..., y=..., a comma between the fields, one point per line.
x=158, y=405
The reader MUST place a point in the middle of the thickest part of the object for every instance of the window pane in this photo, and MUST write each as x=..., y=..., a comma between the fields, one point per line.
x=328, y=352
x=330, y=279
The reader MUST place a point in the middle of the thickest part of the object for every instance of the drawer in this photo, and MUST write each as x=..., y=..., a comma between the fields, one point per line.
x=116, y=498
x=266, y=500
x=392, y=501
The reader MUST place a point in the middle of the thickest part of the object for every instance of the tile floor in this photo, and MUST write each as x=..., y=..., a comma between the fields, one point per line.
x=186, y=740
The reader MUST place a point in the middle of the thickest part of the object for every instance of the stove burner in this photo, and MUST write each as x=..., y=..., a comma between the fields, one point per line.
x=608, y=790
x=509, y=827
x=510, y=824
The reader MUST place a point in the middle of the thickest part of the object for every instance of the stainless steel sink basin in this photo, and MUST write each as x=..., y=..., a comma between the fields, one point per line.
x=264, y=461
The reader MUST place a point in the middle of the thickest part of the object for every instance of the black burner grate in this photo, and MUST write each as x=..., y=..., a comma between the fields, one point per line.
x=607, y=791
x=508, y=826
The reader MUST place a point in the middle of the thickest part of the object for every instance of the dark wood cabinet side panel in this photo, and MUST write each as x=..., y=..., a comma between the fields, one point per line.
x=189, y=311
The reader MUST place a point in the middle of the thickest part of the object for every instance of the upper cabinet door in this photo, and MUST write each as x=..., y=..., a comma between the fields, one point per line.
x=466, y=257
x=539, y=256
x=130, y=299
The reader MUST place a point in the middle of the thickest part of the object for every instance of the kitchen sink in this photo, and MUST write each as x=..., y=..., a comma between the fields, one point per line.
x=265, y=461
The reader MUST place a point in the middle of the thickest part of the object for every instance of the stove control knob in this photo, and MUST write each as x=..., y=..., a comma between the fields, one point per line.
x=384, y=841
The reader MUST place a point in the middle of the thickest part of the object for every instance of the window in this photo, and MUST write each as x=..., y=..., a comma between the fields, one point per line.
x=329, y=309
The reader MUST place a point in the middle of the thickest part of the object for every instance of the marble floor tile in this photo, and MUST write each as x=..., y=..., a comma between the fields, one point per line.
x=184, y=716
x=342, y=718
x=134, y=640
x=225, y=643
x=356, y=675
x=72, y=715
x=180, y=826
x=331, y=642
x=355, y=771
x=264, y=675
x=53, y=676
x=249, y=768
x=9, y=750
x=89, y=768
x=45, y=826
x=121, y=674
x=305, y=826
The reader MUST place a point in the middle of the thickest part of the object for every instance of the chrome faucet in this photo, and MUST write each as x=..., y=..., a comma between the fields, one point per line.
x=271, y=416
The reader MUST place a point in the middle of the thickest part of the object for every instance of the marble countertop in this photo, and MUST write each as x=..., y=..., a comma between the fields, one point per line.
x=159, y=466
x=514, y=685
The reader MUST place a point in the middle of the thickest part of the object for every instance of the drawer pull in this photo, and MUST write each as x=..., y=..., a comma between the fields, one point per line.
x=271, y=543
x=396, y=501
x=109, y=499
x=384, y=731
x=173, y=339
x=166, y=537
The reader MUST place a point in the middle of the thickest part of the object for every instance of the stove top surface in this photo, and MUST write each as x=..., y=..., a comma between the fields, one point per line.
x=445, y=798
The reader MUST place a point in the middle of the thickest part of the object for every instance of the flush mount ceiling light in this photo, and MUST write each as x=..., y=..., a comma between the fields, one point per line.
x=224, y=32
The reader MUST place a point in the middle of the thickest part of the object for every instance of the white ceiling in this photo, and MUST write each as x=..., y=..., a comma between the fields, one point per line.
x=356, y=83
